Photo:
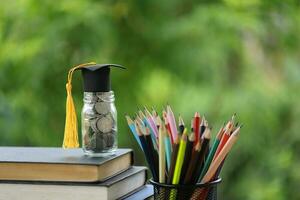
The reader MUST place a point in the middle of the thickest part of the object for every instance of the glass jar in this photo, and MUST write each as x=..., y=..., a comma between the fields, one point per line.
x=99, y=123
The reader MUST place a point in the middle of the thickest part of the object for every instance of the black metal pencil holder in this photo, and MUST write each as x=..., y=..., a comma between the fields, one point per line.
x=199, y=191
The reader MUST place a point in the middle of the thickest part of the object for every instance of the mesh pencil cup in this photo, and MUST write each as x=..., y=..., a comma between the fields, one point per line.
x=199, y=191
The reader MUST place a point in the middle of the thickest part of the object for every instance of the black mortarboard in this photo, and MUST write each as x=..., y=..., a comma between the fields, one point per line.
x=96, y=78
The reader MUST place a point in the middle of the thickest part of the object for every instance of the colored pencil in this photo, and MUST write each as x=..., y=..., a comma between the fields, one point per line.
x=162, y=155
x=196, y=127
x=147, y=123
x=152, y=153
x=172, y=122
x=219, y=159
x=211, y=153
x=187, y=156
x=224, y=138
x=204, y=149
x=151, y=122
x=180, y=158
x=192, y=164
x=133, y=130
x=167, y=125
x=146, y=152
x=168, y=150
x=173, y=159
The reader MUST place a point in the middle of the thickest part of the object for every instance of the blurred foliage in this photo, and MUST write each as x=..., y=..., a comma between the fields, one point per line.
x=215, y=57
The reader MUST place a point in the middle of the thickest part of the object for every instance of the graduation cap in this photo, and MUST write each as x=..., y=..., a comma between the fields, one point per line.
x=96, y=78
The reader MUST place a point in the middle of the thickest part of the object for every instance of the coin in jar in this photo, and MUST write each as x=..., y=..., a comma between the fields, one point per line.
x=102, y=107
x=105, y=124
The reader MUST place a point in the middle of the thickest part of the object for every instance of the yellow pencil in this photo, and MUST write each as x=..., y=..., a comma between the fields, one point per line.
x=161, y=153
x=180, y=158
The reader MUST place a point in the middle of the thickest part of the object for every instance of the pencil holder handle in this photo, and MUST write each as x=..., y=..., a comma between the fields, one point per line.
x=207, y=191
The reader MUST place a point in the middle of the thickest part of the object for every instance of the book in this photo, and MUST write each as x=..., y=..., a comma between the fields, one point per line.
x=145, y=192
x=113, y=188
x=58, y=164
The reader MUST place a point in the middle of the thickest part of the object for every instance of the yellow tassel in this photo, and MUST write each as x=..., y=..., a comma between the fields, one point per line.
x=71, y=129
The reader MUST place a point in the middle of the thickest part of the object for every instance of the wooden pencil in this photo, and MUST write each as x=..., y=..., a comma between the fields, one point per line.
x=146, y=122
x=204, y=149
x=167, y=125
x=162, y=155
x=142, y=115
x=192, y=164
x=187, y=156
x=180, y=158
x=219, y=159
x=211, y=153
x=152, y=152
x=139, y=120
x=146, y=152
x=173, y=160
x=168, y=149
x=196, y=127
x=205, y=127
x=224, y=138
x=133, y=130
x=219, y=137
x=172, y=122
x=151, y=122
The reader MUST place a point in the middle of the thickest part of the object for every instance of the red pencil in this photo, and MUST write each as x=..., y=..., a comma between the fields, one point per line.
x=225, y=137
x=196, y=127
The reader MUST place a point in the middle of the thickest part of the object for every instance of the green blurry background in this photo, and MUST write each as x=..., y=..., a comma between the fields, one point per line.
x=215, y=57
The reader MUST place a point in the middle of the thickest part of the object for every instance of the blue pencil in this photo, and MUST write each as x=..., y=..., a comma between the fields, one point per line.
x=133, y=130
x=168, y=150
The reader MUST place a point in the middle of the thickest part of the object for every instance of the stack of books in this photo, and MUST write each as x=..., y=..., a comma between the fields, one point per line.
x=56, y=173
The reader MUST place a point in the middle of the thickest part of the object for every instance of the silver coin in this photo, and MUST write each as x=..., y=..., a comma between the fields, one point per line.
x=102, y=107
x=105, y=124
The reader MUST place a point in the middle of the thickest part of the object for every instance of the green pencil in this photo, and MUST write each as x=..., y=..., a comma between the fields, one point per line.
x=211, y=153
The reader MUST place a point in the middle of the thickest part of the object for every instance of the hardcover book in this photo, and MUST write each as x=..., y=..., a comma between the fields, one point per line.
x=113, y=188
x=57, y=164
